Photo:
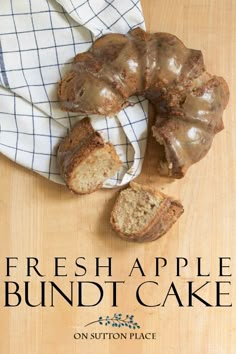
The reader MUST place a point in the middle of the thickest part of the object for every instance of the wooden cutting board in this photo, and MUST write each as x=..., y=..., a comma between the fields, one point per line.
x=43, y=220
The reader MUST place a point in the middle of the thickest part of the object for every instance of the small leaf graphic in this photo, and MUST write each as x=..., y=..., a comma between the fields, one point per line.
x=117, y=321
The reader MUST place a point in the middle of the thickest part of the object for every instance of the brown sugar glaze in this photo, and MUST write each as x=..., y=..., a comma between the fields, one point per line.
x=188, y=101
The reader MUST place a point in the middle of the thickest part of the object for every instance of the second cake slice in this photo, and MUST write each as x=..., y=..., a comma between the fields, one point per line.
x=141, y=214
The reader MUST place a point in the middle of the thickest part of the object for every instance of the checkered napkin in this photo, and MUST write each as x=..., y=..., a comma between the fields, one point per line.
x=38, y=41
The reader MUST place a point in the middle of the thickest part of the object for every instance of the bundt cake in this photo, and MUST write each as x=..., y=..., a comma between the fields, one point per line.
x=188, y=101
x=85, y=160
x=142, y=214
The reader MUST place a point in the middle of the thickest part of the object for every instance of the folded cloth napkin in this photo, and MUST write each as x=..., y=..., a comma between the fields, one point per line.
x=38, y=41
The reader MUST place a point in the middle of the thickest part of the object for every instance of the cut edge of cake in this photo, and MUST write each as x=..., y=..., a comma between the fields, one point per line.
x=153, y=212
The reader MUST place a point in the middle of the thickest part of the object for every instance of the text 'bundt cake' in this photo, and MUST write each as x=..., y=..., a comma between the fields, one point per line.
x=188, y=101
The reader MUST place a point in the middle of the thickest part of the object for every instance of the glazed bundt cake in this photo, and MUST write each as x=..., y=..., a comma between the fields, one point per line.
x=188, y=101
x=142, y=214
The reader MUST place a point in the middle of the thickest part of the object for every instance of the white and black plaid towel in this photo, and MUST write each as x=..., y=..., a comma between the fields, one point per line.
x=38, y=41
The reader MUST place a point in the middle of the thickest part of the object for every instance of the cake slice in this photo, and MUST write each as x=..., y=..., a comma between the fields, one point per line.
x=142, y=214
x=85, y=160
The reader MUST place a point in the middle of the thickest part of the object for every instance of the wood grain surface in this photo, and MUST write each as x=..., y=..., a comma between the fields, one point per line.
x=41, y=219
